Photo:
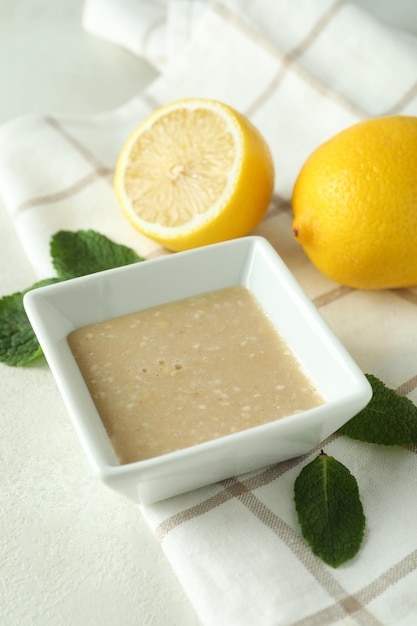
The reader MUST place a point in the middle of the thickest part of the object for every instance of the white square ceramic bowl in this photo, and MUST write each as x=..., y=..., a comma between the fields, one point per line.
x=56, y=310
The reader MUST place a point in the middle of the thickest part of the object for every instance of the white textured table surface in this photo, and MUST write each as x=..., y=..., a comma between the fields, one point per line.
x=72, y=551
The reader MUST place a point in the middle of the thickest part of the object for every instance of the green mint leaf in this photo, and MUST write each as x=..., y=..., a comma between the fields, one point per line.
x=388, y=419
x=86, y=252
x=329, y=510
x=18, y=342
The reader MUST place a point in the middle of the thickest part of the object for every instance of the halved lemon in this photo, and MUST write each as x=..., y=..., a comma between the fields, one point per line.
x=195, y=172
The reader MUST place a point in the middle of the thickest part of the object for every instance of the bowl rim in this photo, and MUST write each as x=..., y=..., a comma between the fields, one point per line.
x=36, y=303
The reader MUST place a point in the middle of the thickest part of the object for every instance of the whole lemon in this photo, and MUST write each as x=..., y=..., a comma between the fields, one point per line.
x=355, y=204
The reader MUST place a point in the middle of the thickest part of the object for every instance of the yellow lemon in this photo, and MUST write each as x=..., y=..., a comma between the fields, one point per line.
x=195, y=172
x=355, y=204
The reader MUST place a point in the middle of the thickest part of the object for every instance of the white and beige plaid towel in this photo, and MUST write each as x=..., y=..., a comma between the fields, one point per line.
x=301, y=70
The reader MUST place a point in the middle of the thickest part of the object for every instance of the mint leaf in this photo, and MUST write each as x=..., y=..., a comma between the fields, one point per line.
x=388, y=419
x=329, y=510
x=73, y=254
x=18, y=342
x=86, y=252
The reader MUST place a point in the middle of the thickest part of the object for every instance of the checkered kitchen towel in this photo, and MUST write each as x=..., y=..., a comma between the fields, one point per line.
x=301, y=70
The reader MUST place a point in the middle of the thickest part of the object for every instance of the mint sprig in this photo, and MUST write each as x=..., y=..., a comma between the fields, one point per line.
x=329, y=509
x=86, y=252
x=73, y=254
x=388, y=419
x=326, y=494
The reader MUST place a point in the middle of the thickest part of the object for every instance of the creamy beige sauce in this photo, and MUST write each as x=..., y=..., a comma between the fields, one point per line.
x=189, y=371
